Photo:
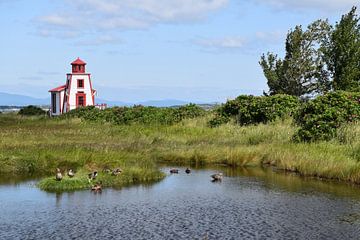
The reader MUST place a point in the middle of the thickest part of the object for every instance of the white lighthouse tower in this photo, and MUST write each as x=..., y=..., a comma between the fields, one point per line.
x=77, y=92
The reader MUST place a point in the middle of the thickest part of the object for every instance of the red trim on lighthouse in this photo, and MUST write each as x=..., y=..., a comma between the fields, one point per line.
x=58, y=89
x=69, y=89
x=78, y=66
x=92, y=90
x=78, y=61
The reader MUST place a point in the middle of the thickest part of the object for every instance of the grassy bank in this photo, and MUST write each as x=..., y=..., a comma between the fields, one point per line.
x=39, y=145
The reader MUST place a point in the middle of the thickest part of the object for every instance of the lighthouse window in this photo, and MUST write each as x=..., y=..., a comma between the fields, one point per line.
x=80, y=83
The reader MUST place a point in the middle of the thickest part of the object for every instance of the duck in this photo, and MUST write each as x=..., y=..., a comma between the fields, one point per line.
x=71, y=173
x=58, y=176
x=92, y=176
x=116, y=171
x=188, y=170
x=174, y=170
x=97, y=187
x=217, y=177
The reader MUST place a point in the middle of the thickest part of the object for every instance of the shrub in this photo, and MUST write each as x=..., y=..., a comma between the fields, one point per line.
x=137, y=114
x=253, y=110
x=189, y=111
x=31, y=111
x=320, y=118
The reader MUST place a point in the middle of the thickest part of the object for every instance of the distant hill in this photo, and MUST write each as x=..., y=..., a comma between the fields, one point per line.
x=155, y=103
x=7, y=99
x=112, y=103
x=163, y=103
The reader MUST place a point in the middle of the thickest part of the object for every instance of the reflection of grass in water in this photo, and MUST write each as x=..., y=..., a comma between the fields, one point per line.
x=292, y=182
x=351, y=218
x=38, y=146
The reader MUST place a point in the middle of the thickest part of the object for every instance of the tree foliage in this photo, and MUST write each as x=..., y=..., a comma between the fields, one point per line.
x=318, y=59
x=301, y=71
x=247, y=110
x=343, y=53
x=320, y=118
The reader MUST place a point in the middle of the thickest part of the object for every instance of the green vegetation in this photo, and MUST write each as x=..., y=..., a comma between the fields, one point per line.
x=32, y=111
x=253, y=110
x=137, y=114
x=317, y=59
x=132, y=175
x=320, y=118
x=317, y=119
x=38, y=146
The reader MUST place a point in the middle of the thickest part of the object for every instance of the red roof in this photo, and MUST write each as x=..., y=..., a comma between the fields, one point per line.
x=58, y=89
x=78, y=61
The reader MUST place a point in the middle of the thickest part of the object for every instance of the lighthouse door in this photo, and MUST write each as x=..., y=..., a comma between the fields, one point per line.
x=80, y=100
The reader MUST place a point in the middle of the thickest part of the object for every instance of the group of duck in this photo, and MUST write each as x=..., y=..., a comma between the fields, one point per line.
x=215, y=177
x=97, y=187
x=59, y=175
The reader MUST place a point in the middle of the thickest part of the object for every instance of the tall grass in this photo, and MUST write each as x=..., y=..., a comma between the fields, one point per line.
x=39, y=145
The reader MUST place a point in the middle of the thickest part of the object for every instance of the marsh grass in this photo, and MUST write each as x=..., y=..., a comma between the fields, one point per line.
x=39, y=145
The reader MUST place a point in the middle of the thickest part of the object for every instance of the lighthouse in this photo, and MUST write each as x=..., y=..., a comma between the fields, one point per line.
x=77, y=91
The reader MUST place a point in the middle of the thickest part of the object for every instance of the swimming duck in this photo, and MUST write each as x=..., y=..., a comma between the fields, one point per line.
x=188, y=170
x=116, y=171
x=174, y=170
x=58, y=176
x=217, y=177
x=92, y=176
x=97, y=187
x=71, y=173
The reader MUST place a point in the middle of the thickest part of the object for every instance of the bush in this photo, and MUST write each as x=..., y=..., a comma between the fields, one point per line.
x=253, y=110
x=320, y=118
x=31, y=111
x=189, y=111
x=137, y=114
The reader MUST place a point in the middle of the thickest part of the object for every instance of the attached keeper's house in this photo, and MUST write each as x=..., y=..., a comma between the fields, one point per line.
x=77, y=92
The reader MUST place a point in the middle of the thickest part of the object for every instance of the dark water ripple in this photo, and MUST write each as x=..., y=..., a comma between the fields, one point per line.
x=244, y=206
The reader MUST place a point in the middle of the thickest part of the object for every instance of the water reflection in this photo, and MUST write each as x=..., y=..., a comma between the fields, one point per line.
x=251, y=203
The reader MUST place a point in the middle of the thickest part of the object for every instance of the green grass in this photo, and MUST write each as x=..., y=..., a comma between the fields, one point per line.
x=81, y=181
x=39, y=145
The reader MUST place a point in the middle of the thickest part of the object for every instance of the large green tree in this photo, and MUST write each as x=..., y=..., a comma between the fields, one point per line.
x=342, y=53
x=303, y=70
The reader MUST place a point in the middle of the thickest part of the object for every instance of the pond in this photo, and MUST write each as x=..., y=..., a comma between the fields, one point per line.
x=250, y=203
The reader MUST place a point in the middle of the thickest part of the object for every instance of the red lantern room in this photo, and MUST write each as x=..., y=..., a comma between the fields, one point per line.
x=78, y=66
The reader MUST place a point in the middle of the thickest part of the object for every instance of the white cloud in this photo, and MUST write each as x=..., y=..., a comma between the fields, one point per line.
x=58, y=20
x=320, y=5
x=101, y=40
x=222, y=43
x=246, y=44
x=106, y=15
x=273, y=37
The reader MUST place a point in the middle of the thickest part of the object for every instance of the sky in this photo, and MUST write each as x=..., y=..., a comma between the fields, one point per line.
x=138, y=50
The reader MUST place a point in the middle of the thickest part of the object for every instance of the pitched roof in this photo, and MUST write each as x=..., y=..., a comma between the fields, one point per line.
x=78, y=61
x=58, y=89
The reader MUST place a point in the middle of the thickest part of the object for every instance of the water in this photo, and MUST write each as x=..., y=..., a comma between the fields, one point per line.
x=247, y=204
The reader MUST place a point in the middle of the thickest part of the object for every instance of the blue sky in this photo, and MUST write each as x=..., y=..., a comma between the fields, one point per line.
x=137, y=50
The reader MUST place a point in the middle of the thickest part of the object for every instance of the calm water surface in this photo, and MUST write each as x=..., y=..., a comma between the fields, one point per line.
x=247, y=204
